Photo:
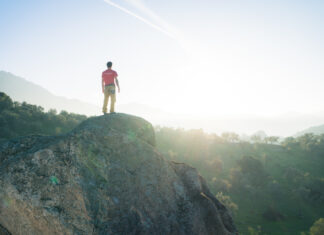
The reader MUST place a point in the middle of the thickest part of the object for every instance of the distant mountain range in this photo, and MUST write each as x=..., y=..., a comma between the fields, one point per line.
x=314, y=129
x=19, y=89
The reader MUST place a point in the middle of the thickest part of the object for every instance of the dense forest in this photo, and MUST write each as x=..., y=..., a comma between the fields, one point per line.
x=270, y=186
x=19, y=119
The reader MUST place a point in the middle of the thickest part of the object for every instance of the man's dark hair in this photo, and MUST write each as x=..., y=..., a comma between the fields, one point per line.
x=109, y=64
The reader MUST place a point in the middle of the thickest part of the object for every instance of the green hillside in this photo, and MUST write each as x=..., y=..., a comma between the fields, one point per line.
x=22, y=90
x=18, y=119
x=271, y=189
x=314, y=129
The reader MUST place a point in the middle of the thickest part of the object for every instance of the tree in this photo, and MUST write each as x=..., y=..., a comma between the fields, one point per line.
x=271, y=139
x=253, y=231
x=289, y=143
x=227, y=202
x=318, y=227
x=52, y=112
x=5, y=102
x=253, y=170
x=307, y=141
x=216, y=165
x=221, y=185
x=230, y=137
x=17, y=119
x=256, y=138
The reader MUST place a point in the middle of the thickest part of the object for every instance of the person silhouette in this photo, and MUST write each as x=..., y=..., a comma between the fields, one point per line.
x=109, y=79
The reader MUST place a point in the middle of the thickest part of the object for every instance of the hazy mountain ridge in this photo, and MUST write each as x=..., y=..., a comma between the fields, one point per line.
x=317, y=130
x=22, y=90
x=19, y=89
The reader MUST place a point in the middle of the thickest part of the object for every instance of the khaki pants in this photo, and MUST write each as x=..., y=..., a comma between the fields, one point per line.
x=109, y=92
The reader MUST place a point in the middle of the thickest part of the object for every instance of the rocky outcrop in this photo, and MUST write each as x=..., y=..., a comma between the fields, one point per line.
x=104, y=177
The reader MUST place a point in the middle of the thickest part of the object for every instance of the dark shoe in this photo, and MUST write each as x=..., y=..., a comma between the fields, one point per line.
x=105, y=113
x=112, y=112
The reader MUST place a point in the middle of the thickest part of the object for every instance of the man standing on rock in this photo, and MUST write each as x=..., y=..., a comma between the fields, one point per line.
x=109, y=77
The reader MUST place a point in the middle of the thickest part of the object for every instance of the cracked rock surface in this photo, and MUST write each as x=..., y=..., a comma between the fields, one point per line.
x=104, y=177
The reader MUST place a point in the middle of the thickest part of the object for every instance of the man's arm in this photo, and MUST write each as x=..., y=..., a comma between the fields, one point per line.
x=102, y=85
x=117, y=83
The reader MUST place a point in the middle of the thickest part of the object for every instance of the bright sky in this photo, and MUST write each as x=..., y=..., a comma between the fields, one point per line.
x=202, y=58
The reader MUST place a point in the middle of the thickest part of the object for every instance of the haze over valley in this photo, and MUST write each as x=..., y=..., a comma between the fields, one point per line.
x=162, y=117
x=287, y=124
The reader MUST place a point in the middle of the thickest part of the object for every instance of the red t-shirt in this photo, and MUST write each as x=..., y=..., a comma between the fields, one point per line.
x=108, y=76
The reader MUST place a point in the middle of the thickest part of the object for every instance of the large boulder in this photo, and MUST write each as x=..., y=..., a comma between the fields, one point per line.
x=104, y=177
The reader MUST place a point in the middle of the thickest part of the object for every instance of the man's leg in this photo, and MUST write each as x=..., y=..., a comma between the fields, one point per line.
x=112, y=103
x=112, y=100
x=105, y=103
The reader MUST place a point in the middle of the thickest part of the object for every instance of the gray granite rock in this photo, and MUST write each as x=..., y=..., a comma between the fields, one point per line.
x=104, y=177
